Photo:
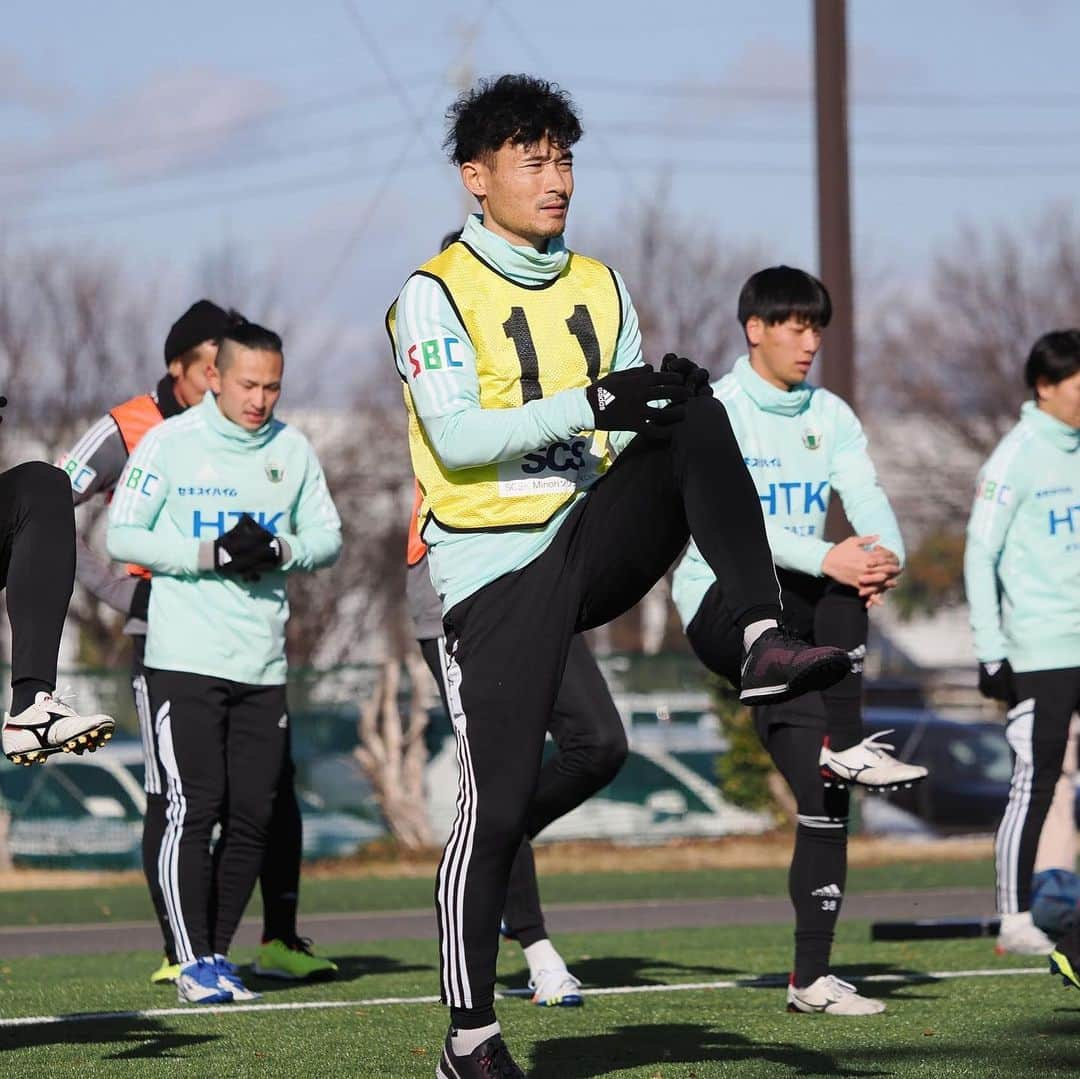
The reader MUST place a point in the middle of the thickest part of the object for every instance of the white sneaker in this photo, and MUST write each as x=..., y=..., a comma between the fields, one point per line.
x=869, y=765
x=49, y=726
x=556, y=989
x=1021, y=936
x=832, y=996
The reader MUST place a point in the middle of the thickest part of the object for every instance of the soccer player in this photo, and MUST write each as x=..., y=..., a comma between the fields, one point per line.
x=94, y=465
x=591, y=741
x=518, y=360
x=37, y=567
x=1022, y=575
x=800, y=443
x=219, y=504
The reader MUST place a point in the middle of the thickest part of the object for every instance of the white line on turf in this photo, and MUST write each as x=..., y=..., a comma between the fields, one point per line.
x=371, y=1002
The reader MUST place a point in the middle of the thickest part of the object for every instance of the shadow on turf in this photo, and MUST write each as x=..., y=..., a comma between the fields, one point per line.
x=350, y=968
x=648, y=1046
x=628, y=970
x=145, y=1038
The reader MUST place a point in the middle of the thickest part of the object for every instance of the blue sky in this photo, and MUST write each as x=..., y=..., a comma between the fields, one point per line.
x=307, y=137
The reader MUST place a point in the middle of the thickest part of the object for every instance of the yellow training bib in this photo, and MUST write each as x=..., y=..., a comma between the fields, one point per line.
x=530, y=342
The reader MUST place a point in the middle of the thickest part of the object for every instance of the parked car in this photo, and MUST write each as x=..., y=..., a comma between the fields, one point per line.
x=970, y=768
x=86, y=813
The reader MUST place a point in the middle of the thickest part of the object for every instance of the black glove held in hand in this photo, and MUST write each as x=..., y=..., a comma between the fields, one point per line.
x=246, y=549
x=996, y=681
x=622, y=400
x=696, y=379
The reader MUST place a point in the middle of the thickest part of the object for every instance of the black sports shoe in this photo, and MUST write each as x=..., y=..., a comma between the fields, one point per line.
x=492, y=1060
x=780, y=666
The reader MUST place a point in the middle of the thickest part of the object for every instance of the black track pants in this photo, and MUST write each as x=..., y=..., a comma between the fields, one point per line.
x=507, y=646
x=1038, y=732
x=279, y=878
x=221, y=748
x=37, y=566
x=591, y=740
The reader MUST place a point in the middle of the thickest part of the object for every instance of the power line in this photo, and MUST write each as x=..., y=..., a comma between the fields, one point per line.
x=207, y=202
x=390, y=172
x=135, y=144
x=974, y=139
x=719, y=92
x=240, y=161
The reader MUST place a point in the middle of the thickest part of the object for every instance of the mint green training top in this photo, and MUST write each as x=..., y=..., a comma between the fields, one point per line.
x=799, y=445
x=1022, y=560
x=464, y=434
x=189, y=481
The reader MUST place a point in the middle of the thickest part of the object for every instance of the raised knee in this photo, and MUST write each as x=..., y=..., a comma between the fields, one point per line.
x=41, y=479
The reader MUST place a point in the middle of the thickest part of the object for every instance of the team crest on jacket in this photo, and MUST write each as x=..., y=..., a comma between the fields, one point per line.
x=811, y=438
x=275, y=473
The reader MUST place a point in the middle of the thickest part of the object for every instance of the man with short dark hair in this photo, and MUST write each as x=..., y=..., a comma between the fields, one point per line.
x=94, y=466
x=800, y=443
x=1022, y=575
x=219, y=504
x=522, y=374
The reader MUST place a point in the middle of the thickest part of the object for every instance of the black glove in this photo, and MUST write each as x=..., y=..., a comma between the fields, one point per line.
x=696, y=379
x=996, y=681
x=621, y=401
x=246, y=550
x=140, y=600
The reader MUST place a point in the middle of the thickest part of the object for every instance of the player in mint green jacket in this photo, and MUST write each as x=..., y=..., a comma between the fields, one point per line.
x=801, y=443
x=1022, y=572
x=220, y=503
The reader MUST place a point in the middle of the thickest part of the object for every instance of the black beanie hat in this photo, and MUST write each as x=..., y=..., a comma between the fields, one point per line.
x=202, y=321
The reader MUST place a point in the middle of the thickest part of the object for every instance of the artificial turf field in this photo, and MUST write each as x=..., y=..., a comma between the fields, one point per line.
x=987, y=1025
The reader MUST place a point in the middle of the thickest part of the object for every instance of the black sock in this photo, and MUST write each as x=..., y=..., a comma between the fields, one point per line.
x=843, y=711
x=279, y=917
x=24, y=691
x=816, y=885
x=472, y=1018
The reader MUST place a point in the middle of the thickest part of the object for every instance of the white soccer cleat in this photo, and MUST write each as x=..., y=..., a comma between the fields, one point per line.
x=50, y=726
x=831, y=996
x=869, y=765
x=1021, y=936
x=556, y=989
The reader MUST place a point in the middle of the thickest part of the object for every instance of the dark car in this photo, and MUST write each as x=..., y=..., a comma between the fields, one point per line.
x=970, y=767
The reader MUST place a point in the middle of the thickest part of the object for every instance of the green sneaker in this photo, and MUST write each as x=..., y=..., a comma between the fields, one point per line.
x=166, y=974
x=292, y=961
x=1060, y=964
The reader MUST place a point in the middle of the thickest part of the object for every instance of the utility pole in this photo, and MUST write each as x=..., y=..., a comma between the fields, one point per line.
x=833, y=191
x=462, y=76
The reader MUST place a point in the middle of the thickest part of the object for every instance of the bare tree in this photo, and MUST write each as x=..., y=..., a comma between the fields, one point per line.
x=392, y=751
x=74, y=338
x=946, y=375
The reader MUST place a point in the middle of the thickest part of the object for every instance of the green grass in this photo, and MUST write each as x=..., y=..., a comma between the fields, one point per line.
x=323, y=896
x=976, y=1027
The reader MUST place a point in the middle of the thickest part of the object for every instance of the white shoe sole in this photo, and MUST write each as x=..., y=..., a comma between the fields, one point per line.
x=86, y=742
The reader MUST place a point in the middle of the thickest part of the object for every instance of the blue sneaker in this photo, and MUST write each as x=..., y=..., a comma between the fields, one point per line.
x=228, y=978
x=198, y=983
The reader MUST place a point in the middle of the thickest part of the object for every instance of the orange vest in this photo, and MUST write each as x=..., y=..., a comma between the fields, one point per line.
x=134, y=418
x=416, y=548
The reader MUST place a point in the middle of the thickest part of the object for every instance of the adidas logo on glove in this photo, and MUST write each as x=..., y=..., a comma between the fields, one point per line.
x=604, y=397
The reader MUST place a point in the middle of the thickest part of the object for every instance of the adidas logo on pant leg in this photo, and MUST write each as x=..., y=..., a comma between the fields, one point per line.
x=828, y=891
